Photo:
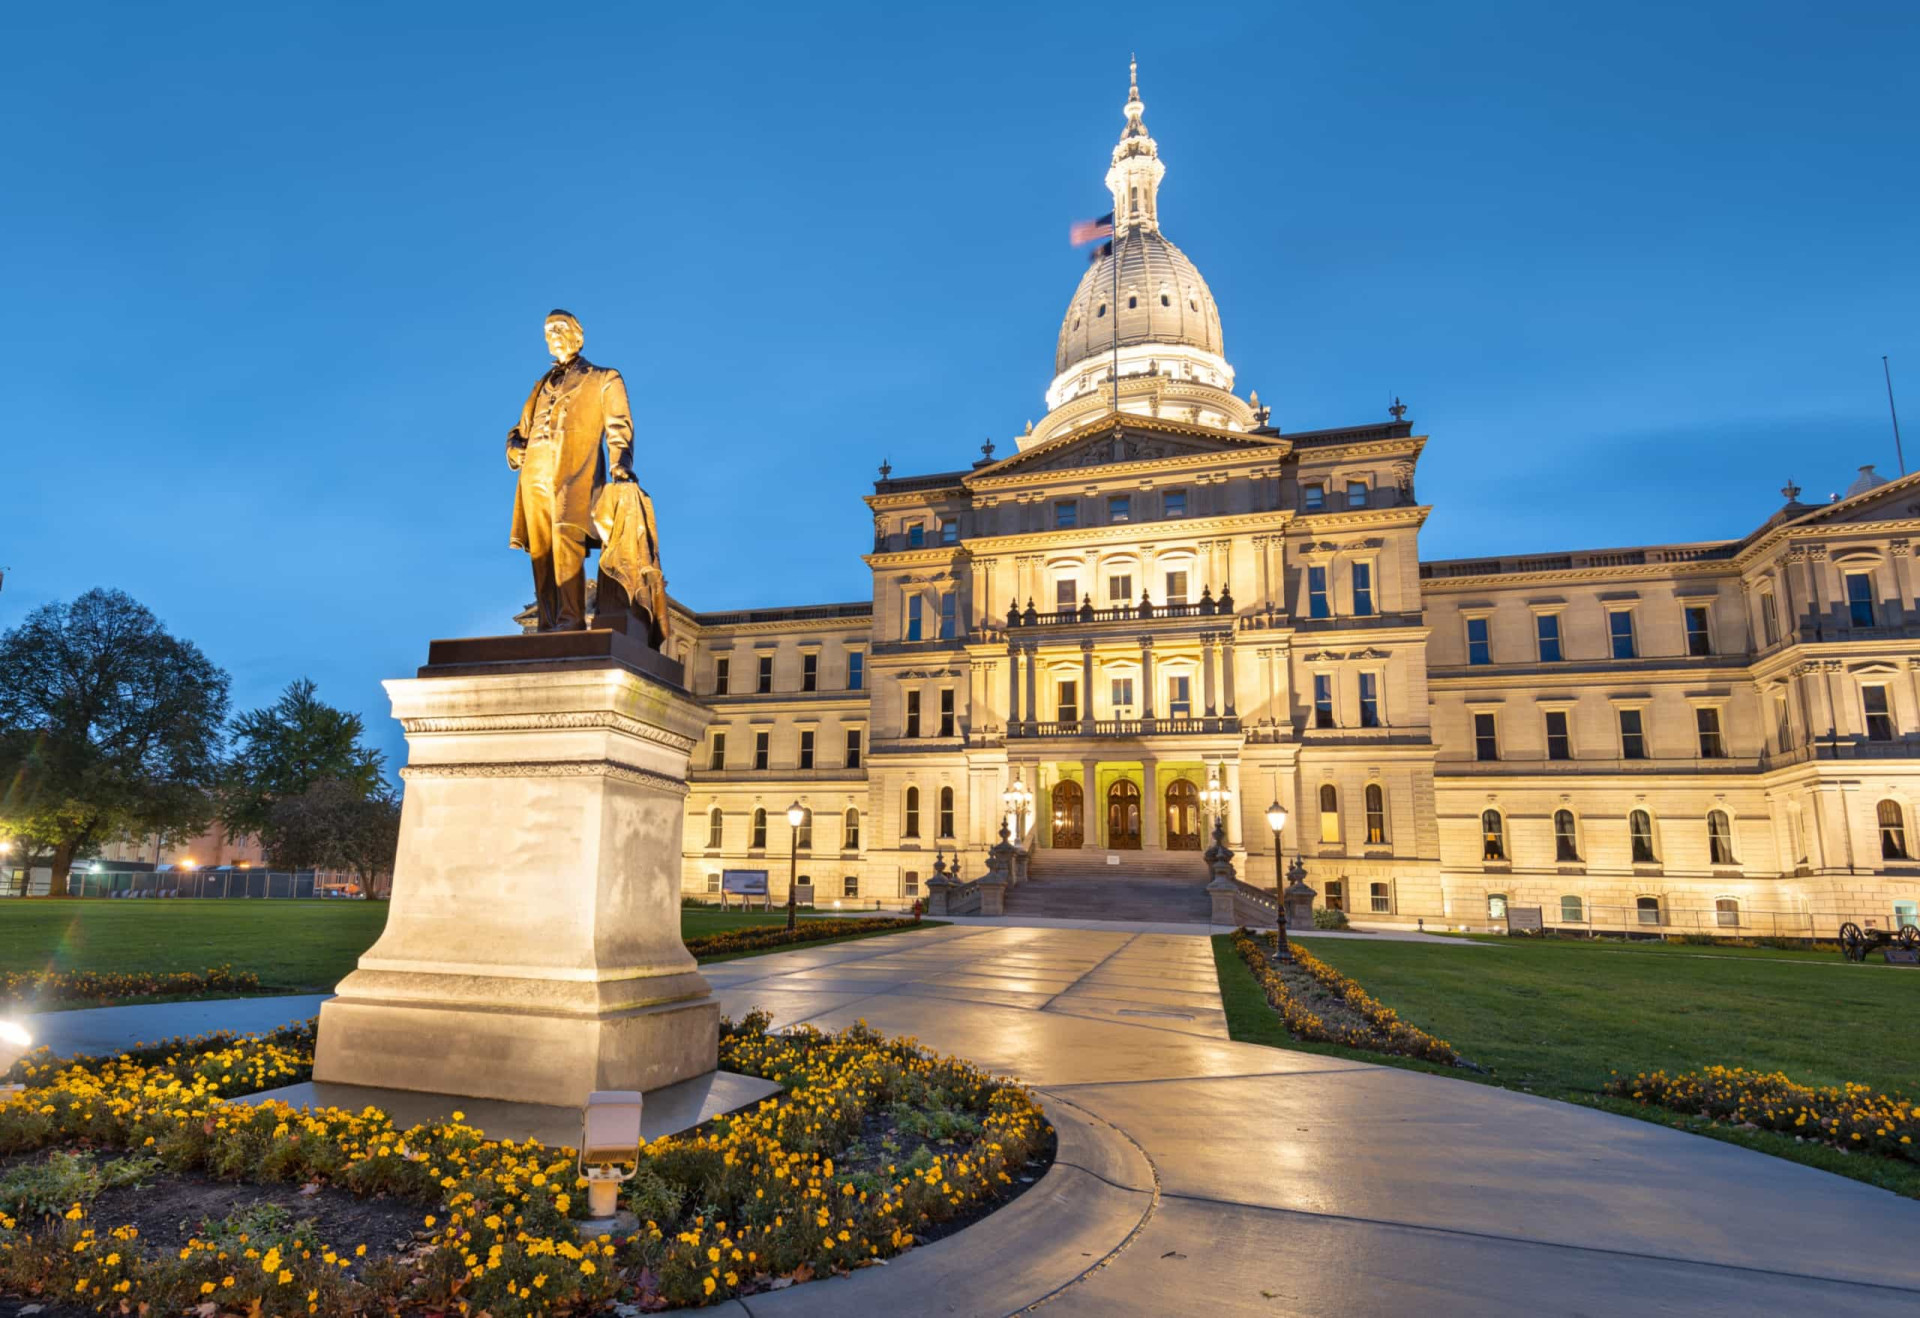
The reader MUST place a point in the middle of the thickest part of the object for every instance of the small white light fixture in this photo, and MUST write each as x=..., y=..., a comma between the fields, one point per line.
x=609, y=1134
x=15, y=1043
x=795, y=814
x=1276, y=816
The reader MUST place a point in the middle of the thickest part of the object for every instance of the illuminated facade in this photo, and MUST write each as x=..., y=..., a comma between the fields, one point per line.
x=1159, y=591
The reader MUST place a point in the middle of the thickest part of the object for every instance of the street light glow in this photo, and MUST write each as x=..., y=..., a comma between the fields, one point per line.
x=1276, y=816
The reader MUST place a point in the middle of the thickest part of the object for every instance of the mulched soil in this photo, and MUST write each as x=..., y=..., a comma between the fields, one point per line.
x=1317, y=997
x=170, y=1209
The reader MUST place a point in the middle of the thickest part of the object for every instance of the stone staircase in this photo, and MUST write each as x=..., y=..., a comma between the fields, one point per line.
x=1160, y=866
x=1159, y=887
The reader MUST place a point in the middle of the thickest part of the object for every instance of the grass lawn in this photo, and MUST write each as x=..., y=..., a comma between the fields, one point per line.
x=1555, y=1018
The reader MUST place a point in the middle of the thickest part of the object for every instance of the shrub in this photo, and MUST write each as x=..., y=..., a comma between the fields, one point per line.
x=1326, y=919
x=1851, y=1117
x=754, y=938
x=20, y=986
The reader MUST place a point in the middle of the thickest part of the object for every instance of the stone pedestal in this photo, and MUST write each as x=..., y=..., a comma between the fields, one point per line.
x=532, y=950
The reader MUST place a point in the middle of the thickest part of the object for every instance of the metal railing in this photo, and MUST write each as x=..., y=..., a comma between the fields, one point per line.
x=1740, y=923
x=111, y=884
x=1204, y=607
x=1126, y=727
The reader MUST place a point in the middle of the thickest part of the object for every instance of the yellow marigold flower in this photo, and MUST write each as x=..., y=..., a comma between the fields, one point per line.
x=207, y=1288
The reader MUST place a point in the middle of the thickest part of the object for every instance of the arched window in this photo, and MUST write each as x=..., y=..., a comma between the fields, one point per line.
x=1572, y=910
x=1726, y=912
x=910, y=827
x=1376, y=816
x=803, y=835
x=1329, y=813
x=759, y=839
x=946, y=812
x=1719, y=838
x=1566, y=843
x=1493, y=837
x=1165, y=301
x=1132, y=302
x=852, y=842
x=1893, y=830
x=716, y=827
x=1640, y=832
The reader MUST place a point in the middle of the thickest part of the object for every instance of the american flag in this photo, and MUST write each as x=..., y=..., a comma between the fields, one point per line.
x=1081, y=232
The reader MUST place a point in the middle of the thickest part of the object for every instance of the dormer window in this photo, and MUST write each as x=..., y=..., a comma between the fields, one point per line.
x=1132, y=303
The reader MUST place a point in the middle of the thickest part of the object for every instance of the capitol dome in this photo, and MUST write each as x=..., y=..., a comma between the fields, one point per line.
x=1160, y=298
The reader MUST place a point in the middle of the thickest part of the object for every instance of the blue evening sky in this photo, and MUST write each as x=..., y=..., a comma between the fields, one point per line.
x=274, y=274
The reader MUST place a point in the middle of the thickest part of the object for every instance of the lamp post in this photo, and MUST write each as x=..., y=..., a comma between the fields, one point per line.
x=1018, y=800
x=1277, y=820
x=795, y=814
x=1215, y=798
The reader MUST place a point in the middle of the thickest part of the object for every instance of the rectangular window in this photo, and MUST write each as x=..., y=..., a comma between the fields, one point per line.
x=850, y=886
x=1313, y=497
x=1174, y=503
x=1572, y=911
x=1336, y=895
x=1363, y=589
x=914, y=603
x=1180, y=697
x=1066, y=513
x=946, y=712
x=1479, y=646
x=913, y=714
x=856, y=669
x=949, y=533
x=1066, y=594
x=1769, y=619
x=1356, y=494
x=720, y=667
x=1546, y=627
x=765, y=683
x=1369, y=700
x=1176, y=588
x=1067, y=699
x=1860, y=598
x=913, y=883
x=806, y=749
x=1648, y=909
x=1120, y=588
x=1120, y=508
x=1380, y=897
x=1620, y=632
x=760, y=750
x=1122, y=693
x=916, y=535
x=1633, y=736
x=1782, y=725
x=1879, y=713
x=713, y=883
x=717, y=756
x=1323, y=700
x=1707, y=720
x=1699, y=640
x=809, y=672
x=1559, y=742
x=1906, y=915
x=948, y=607
x=1317, y=593
x=853, y=748
x=1486, y=744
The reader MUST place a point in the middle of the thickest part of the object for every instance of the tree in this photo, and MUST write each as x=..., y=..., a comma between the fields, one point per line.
x=281, y=752
x=334, y=825
x=109, y=726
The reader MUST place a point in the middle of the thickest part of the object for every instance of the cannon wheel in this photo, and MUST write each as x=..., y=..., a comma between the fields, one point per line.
x=1909, y=935
x=1853, y=943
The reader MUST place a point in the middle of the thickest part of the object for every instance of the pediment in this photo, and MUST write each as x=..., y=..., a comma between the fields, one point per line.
x=1111, y=444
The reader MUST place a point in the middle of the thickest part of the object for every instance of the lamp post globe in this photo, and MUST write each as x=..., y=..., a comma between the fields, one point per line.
x=796, y=815
x=1277, y=820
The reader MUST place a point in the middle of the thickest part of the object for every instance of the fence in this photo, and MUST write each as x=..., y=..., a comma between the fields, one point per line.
x=1735, y=923
x=259, y=884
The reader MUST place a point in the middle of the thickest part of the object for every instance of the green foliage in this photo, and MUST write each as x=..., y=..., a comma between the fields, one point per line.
x=109, y=726
x=49, y=1186
x=1326, y=919
x=283, y=753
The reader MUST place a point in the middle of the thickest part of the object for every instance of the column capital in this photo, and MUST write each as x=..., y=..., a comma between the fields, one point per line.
x=1146, y=642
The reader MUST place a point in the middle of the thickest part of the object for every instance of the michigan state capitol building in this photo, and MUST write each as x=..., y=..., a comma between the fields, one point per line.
x=1159, y=594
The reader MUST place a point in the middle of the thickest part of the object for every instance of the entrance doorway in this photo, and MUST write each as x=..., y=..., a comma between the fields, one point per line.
x=1069, y=808
x=1123, y=816
x=1183, y=816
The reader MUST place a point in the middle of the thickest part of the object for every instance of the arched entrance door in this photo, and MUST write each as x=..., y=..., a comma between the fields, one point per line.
x=1123, y=816
x=1069, y=809
x=1183, y=816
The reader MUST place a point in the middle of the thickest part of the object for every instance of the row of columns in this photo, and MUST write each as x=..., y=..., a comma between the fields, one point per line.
x=1217, y=692
x=1152, y=806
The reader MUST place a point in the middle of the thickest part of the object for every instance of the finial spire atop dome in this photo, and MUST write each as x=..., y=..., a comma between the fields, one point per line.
x=1135, y=176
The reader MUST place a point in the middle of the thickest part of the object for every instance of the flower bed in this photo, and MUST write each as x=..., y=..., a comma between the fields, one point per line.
x=875, y=1141
x=1850, y=1117
x=1374, y=1027
x=25, y=987
x=755, y=938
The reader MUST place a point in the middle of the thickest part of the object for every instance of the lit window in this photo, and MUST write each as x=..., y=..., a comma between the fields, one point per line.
x=946, y=712
x=1479, y=648
x=716, y=828
x=1356, y=494
x=1559, y=742
x=948, y=606
x=766, y=674
x=806, y=748
x=949, y=533
x=1493, y=839
x=912, y=728
x=1323, y=700
x=1546, y=628
x=856, y=669
x=1120, y=588
x=1180, y=697
x=1906, y=915
x=1335, y=895
x=850, y=886
x=1376, y=800
x=1572, y=911
x=850, y=830
x=1860, y=598
x=1640, y=834
x=720, y=673
x=1707, y=720
x=760, y=750
x=1496, y=906
x=1566, y=842
x=1176, y=588
x=1329, y=813
x=1066, y=513
x=1699, y=641
x=853, y=748
x=1119, y=508
x=1317, y=593
x=910, y=825
x=1633, y=737
x=1380, y=897
x=717, y=757
x=1173, y=503
x=1879, y=713
x=758, y=840
x=1620, y=632
x=914, y=604
x=1893, y=830
x=1648, y=909
x=1726, y=912
x=946, y=812
x=1486, y=743
x=1363, y=589
x=1719, y=838
x=1313, y=497
x=916, y=534
x=1369, y=700
x=809, y=672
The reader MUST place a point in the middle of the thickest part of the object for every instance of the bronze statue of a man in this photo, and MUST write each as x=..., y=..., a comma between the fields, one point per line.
x=556, y=449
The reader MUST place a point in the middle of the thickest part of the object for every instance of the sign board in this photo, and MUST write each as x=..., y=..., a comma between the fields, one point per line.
x=1903, y=956
x=745, y=883
x=1525, y=920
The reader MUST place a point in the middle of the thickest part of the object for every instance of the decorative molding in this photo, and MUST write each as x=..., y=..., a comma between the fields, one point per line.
x=613, y=769
x=595, y=719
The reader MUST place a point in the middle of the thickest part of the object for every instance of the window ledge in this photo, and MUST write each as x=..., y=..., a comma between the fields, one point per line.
x=1497, y=866
x=1572, y=867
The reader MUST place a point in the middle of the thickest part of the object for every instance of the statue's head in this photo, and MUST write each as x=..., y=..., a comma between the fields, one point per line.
x=564, y=336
